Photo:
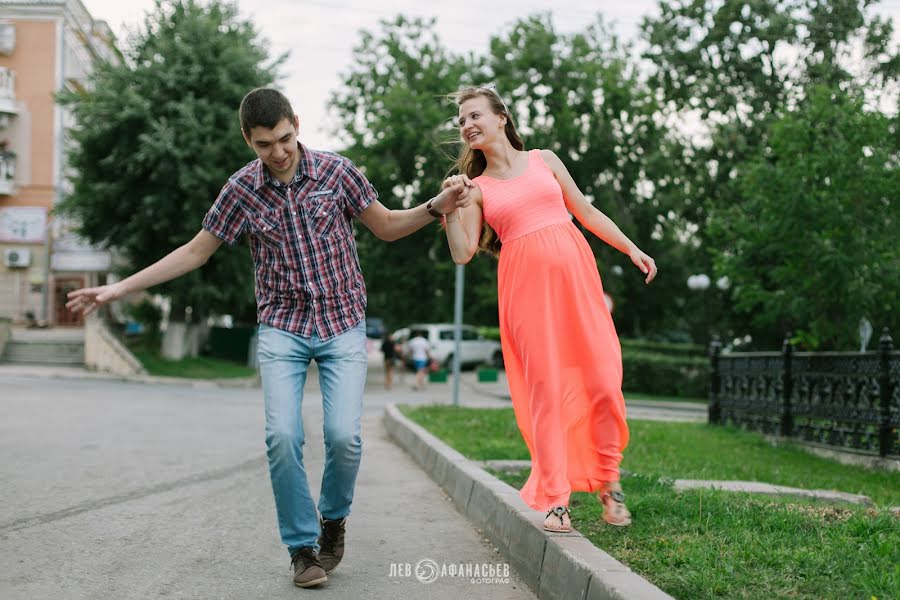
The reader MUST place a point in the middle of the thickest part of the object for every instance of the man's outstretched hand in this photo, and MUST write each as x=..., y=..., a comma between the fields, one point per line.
x=87, y=300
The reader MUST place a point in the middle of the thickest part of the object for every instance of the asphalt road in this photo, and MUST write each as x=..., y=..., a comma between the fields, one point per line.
x=120, y=490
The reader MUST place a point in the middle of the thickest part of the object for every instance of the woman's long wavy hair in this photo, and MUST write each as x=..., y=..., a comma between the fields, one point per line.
x=472, y=163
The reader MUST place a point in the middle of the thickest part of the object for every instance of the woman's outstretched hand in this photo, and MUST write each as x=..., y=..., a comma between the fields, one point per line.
x=643, y=262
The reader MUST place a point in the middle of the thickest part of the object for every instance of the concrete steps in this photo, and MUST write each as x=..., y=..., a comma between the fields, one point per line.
x=44, y=353
x=60, y=347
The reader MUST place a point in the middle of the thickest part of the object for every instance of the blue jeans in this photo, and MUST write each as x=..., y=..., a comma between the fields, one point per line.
x=283, y=362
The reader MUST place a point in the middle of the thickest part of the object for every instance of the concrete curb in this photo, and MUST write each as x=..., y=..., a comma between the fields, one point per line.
x=563, y=566
x=236, y=382
x=750, y=487
x=44, y=371
x=502, y=393
x=757, y=487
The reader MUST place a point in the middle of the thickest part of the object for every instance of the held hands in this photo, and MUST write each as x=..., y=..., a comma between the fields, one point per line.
x=454, y=194
x=87, y=300
x=643, y=262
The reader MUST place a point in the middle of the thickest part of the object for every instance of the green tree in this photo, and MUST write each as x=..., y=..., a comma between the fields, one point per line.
x=157, y=136
x=578, y=95
x=581, y=95
x=730, y=68
x=392, y=109
x=812, y=247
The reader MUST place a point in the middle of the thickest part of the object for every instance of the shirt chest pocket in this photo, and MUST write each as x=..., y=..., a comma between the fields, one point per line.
x=269, y=228
x=324, y=217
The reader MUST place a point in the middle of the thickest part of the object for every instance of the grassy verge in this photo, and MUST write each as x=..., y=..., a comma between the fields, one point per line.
x=202, y=367
x=670, y=450
x=708, y=544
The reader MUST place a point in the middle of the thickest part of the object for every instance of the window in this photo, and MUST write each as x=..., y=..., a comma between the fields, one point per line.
x=468, y=334
x=7, y=37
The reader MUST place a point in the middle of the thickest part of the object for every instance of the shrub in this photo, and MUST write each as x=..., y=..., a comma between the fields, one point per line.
x=664, y=375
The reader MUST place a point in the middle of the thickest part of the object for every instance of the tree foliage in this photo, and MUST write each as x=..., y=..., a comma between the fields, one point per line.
x=734, y=68
x=751, y=143
x=391, y=109
x=157, y=136
x=813, y=246
x=575, y=94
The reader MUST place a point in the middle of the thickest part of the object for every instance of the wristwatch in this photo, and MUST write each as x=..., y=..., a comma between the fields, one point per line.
x=431, y=210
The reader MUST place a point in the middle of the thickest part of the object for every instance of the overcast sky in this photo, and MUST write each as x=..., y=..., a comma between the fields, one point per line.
x=320, y=34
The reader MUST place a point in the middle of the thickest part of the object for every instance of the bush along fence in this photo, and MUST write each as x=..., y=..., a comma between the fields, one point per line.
x=664, y=374
x=849, y=400
x=658, y=368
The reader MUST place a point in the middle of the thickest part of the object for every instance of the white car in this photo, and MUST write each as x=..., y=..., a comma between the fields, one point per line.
x=474, y=349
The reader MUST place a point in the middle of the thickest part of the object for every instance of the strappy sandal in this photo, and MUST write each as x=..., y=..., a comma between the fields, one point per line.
x=565, y=524
x=614, y=510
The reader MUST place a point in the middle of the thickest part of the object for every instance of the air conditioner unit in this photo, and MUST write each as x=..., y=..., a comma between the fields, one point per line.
x=17, y=257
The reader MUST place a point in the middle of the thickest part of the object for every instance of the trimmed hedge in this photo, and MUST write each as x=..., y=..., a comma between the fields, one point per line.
x=660, y=368
x=664, y=375
x=669, y=348
x=490, y=333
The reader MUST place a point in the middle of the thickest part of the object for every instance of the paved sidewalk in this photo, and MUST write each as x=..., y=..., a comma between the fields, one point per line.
x=125, y=490
x=157, y=488
x=559, y=566
x=34, y=371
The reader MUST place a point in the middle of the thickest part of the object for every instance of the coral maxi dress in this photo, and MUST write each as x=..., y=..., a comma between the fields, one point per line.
x=562, y=355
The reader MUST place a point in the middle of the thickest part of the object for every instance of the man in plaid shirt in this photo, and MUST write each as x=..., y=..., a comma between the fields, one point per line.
x=296, y=205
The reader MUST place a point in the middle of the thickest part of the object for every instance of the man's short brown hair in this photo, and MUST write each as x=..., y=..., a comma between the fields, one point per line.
x=264, y=107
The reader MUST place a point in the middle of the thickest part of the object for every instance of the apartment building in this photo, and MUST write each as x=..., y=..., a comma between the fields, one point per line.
x=45, y=46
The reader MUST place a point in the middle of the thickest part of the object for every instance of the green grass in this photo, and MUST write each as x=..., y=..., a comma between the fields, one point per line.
x=670, y=450
x=709, y=544
x=202, y=367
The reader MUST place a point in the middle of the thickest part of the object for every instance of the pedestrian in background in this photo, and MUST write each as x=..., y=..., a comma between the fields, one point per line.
x=420, y=353
x=389, y=349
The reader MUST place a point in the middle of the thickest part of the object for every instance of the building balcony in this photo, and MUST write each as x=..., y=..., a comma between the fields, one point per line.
x=7, y=173
x=8, y=107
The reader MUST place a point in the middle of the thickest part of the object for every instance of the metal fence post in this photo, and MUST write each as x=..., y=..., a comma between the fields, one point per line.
x=714, y=408
x=885, y=346
x=787, y=385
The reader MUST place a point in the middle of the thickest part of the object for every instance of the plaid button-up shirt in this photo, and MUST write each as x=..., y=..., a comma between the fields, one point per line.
x=308, y=279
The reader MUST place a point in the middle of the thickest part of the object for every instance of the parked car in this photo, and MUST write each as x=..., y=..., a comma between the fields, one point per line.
x=474, y=349
x=374, y=328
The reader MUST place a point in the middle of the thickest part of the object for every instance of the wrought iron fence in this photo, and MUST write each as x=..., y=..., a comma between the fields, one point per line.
x=849, y=400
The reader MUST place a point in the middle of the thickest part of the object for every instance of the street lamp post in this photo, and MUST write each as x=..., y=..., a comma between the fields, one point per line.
x=457, y=328
x=700, y=283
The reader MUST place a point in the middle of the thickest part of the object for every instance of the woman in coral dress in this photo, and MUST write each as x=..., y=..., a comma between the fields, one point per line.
x=562, y=356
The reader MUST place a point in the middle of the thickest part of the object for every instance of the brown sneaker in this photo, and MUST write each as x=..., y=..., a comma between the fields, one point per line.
x=308, y=569
x=331, y=543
